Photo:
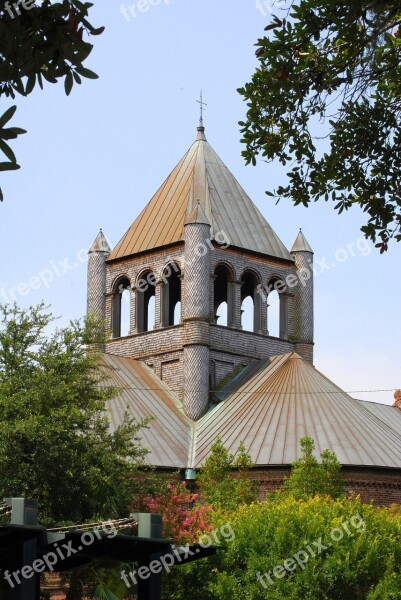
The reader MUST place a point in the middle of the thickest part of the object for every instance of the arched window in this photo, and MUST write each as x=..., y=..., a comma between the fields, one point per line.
x=277, y=317
x=177, y=313
x=223, y=296
x=171, y=295
x=250, y=303
x=121, y=308
x=145, y=301
x=221, y=314
x=273, y=313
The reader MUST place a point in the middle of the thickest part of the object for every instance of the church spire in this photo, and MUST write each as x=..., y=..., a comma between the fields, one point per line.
x=201, y=127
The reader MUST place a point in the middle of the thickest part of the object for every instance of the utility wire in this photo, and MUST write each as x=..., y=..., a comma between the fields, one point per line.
x=228, y=391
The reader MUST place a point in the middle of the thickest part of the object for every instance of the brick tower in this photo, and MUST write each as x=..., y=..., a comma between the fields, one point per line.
x=303, y=299
x=97, y=255
x=196, y=268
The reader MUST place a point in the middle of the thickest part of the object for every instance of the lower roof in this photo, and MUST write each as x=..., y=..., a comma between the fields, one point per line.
x=270, y=407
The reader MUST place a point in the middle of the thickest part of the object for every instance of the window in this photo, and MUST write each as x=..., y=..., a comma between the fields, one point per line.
x=145, y=302
x=171, y=295
x=250, y=303
x=277, y=317
x=121, y=308
x=223, y=296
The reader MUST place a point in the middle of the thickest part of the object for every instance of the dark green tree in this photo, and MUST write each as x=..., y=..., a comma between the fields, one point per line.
x=40, y=42
x=326, y=98
x=309, y=477
x=56, y=443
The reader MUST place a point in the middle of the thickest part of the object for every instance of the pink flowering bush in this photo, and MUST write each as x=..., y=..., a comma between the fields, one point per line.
x=184, y=519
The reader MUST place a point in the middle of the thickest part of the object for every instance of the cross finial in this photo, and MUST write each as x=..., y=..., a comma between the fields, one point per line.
x=202, y=104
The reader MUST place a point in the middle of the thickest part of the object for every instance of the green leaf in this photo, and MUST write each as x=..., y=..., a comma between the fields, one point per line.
x=5, y=148
x=68, y=83
x=87, y=73
x=9, y=166
x=16, y=130
x=30, y=84
x=7, y=116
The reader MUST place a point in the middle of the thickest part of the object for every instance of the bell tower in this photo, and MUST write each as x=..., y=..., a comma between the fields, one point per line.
x=194, y=272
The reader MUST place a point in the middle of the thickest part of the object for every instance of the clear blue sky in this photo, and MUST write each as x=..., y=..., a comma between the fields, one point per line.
x=95, y=159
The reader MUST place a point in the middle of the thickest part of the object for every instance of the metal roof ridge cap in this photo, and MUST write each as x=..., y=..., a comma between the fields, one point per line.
x=192, y=446
x=277, y=362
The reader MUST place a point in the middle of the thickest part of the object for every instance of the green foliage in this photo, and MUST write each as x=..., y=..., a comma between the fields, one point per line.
x=56, y=444
x=389, y=587
x=42, y=43
x=309, y=477
x=332, y=69
x=219, y=485
x=103, y=593
x=356, y=565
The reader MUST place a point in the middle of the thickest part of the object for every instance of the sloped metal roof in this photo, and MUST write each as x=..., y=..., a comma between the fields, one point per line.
x=270, y=407
x=202, y=175
x=287, y=400
x=144, y=394
x=390, y=415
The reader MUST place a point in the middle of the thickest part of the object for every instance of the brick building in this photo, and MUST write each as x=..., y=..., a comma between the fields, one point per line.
x=188, y=296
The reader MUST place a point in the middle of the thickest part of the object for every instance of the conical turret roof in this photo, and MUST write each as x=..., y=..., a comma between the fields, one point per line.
x=301, y=244
x=100, y=244
x=201, y=174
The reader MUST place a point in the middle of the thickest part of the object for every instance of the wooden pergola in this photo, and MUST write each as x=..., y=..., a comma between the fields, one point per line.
x=24, y=545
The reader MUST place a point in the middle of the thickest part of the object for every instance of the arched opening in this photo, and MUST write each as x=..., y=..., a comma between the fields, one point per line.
x=223, y=296
x=273, y=313
x=250, y=303
x=177, y=314
x=247, y=314
x=171, y=295
x=151, y=312
x=121, y=308
x=277, y=314
x=221, y=314
x=145, y=302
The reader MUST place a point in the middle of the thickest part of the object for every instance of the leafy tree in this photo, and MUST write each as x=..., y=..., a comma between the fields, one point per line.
x=345, y=550
x=332, y=71
x=309, y=477
x=345, y=565
x=56, y=444
x=224, y=481
x=40, y=42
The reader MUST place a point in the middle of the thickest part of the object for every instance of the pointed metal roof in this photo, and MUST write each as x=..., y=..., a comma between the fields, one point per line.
x=100, y=244
x=197, y=215
x=301, y=244
x=200, y=174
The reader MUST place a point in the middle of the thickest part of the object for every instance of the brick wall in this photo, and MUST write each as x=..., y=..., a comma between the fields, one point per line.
x=383, y=486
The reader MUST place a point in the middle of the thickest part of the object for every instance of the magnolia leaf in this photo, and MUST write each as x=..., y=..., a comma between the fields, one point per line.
x=7, y=116
x=87, y=73
x=9, y=166
x=68, y=83
x=5, y=148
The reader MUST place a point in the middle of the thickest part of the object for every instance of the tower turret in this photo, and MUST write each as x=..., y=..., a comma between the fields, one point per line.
x=97, y=255
x=196, y=313
x=303, y=300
